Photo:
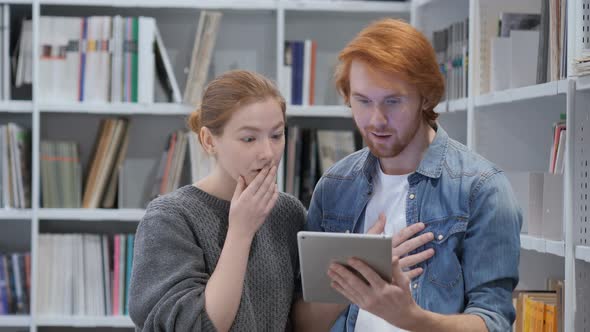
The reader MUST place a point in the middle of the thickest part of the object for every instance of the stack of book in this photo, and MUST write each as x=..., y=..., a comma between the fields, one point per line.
x=299, y=61
x=84, y=274
x=15, y=283
x=15, y=177
x=451, y=46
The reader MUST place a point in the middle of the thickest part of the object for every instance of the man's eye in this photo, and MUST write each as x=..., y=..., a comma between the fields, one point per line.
x=392, y=101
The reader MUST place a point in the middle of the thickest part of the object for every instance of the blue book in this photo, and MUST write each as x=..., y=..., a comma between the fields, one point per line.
x=83, y=59
x=3, y=293
x=298, y=49
x=129, y=261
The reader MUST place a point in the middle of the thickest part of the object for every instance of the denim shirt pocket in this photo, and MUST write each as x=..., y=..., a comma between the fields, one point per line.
x=337, y=223
x=444, y=269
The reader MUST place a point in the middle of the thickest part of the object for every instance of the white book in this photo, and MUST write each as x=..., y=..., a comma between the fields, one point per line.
x=18, y=148
x=176, y=97
x=68, y=274
x=106, y=276
x=59, y=41
x=193, y=143
x=6, y=72
x=88, y=274
x=4, y=51
x=91, y=92
x=180, y=160
x=198, y=72
x=306, y=71
x=15, y=167
x=27, y=47
x=18, y=285
x=525, y=45
x=6, y=167
x=500, y=70
x=121, y=276
x=104, y=58
x=559, y=161
x=117, y=59
x=41, y=273
x=71, y=29
x=81, y=284
x=56, y=267
x=46, y=70
x=192, y=74
x=146, y=60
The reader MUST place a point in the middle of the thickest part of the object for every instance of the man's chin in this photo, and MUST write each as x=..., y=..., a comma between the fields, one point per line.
x=383, y=151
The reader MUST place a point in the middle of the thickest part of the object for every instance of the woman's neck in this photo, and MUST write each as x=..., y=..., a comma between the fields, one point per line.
x=218, y=184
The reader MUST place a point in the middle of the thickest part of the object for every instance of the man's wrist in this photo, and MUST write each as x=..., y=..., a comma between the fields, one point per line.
x=425, y=320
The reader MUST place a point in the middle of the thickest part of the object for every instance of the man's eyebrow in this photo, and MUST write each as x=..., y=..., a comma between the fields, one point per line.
x=393, y=95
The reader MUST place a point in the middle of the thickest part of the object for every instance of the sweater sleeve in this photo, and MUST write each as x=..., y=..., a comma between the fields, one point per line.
x=167, y=290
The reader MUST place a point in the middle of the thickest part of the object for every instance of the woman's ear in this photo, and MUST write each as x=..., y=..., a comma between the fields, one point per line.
x=207, y=140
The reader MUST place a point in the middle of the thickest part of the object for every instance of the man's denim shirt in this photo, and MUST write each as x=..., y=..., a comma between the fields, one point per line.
x=466, y=201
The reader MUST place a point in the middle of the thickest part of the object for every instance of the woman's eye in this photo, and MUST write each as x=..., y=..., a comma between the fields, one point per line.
x=248, y=139
x=277, y=136
x=392, y=101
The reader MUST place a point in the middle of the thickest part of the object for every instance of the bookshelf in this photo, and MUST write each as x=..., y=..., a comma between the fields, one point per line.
x=113, y=321
x=15, y=321
x=97, y=215
x=509, y=127
x=117, y=109
x=16, y=214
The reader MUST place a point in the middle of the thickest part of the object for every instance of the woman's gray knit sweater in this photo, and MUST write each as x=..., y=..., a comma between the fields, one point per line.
x=177, y=246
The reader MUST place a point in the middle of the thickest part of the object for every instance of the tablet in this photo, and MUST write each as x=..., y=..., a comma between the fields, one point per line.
x=317, y=250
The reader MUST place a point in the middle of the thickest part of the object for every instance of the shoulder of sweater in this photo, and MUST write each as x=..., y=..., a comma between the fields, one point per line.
x=290, y=201
x=172, y=205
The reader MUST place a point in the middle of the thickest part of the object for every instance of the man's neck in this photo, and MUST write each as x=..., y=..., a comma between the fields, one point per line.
x=409, y=159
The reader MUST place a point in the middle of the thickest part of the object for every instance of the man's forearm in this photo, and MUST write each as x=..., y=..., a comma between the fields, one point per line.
x=431, y=321
x=309, y=316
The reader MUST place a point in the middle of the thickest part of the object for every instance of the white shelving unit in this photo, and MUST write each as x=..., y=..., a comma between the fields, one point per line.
x=24, y=107
x=487, y=123
x=16, y=214
x=15, y=321
x=583, y=253
x=548, y=89
x=347, y=6
x=542, y=246
x=319, y=111
x=92, y=214
x=118, y=109
x=112, y=321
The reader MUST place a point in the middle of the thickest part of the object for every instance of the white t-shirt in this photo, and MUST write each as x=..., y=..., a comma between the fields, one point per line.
x=389, y=197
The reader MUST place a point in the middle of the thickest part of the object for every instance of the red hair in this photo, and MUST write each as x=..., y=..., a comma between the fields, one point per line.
x=395, y=47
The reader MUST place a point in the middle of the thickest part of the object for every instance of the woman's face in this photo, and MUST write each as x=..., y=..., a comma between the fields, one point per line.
x=254, y=137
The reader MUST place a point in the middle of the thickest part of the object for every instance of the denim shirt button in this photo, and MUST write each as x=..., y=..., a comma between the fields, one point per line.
x=412, y=196
x=440, y=237
x=415, y=285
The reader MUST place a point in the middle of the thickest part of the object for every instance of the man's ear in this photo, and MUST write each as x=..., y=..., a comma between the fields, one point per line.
x=207, y=140
x=425, y=104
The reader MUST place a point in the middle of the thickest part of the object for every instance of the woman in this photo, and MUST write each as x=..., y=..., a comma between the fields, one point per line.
x=221, y=254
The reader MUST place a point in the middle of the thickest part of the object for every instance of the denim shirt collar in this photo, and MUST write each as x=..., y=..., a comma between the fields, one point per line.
x=431, y=164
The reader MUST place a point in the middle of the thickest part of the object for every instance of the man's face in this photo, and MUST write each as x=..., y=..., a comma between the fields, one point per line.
x=386, y=109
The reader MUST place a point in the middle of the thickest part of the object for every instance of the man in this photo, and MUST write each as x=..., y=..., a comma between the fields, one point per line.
x=416, y=176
